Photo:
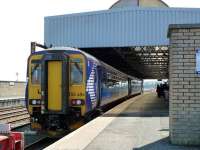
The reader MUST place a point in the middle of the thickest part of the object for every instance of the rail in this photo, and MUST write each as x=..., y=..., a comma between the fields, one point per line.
x=16, y=116
x=41, y=140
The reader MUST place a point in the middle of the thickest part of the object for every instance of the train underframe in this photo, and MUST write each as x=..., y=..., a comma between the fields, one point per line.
x=68, y=122
x=57, y=122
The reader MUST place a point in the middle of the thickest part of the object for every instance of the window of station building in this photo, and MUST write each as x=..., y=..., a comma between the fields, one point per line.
x=76, y=71
x=36, y=73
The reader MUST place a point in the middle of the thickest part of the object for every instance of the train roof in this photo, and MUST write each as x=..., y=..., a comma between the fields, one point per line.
x=68, y=49
x=64, y=49
x=88, y=56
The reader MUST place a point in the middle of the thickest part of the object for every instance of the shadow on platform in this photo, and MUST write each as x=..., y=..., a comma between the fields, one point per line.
x=138, y=114
x=164, y=144
x=148, y=105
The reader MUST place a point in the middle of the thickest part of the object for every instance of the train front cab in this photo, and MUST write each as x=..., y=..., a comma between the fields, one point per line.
x=56, y=89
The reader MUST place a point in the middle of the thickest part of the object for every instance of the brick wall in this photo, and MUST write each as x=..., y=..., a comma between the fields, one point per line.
x=184, y=85
x=10, y=89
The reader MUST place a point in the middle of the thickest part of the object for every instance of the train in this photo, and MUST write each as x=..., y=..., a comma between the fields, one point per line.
x=66, y=85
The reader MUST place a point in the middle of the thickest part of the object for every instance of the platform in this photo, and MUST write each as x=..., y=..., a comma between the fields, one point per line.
x=140, y=123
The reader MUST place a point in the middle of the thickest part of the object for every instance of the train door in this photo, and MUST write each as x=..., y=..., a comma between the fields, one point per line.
x=54, y=84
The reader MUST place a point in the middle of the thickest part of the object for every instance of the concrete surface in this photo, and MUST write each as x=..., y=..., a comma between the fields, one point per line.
x=140, y=123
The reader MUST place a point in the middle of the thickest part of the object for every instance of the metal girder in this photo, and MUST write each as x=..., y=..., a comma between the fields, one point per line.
x=147, y=62
x=151, y=59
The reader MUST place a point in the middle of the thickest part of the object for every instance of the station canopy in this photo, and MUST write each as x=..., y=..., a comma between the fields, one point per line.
x=146, y=62
x=131, y=35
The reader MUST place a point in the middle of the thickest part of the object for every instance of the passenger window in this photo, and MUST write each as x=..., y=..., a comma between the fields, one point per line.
x=76, y=68
x=36, y=74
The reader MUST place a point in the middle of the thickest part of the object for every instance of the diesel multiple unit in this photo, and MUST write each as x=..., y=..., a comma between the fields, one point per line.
x=66, y=85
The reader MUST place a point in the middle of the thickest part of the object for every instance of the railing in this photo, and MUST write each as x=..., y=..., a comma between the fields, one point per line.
x=10, y=102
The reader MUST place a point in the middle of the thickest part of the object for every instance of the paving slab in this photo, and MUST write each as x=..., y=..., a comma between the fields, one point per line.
x=140, y=123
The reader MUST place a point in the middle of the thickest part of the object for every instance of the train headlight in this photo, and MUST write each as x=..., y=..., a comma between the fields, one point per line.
x=34, y=102
x=77, y=102
x=73, y=102
x=34, y=119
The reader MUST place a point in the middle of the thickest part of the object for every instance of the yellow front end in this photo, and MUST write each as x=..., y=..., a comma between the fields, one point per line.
x=56, y=91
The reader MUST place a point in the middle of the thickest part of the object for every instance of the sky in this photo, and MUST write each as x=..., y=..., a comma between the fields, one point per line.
x=22, y=21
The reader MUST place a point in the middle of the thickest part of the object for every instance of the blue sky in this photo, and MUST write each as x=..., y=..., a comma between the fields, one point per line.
x=22, y=22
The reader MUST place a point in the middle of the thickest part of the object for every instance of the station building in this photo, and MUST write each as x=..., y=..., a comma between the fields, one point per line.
x=138, y=38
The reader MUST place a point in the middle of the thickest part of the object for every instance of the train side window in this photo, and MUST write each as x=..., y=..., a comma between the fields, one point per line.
x=36, y=74
x=76, y=74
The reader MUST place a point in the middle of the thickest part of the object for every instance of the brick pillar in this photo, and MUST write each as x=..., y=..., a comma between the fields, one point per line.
x=184, y=85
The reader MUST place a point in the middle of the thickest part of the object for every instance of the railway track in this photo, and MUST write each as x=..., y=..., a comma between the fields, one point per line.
x=19, y=118
x=16, y=116
x=40, y=143
x=10, y=108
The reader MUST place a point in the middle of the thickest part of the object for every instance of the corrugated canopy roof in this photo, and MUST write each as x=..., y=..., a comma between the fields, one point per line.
x=116, y=28
x=136, y=37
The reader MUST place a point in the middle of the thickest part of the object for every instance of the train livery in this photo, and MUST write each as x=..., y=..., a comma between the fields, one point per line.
x=66, y=85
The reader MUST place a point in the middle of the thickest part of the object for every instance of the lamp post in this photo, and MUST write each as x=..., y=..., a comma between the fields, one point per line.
x=17, y=75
